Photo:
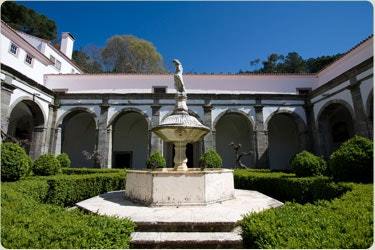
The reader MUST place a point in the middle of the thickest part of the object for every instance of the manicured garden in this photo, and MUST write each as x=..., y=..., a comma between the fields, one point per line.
x=320, y=211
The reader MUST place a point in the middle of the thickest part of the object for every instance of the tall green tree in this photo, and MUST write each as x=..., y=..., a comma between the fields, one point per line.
x=27, y=20
x=291, y=63
x=85, y=63
x=129, y=54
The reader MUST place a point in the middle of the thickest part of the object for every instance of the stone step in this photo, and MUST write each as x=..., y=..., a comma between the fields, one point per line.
x=186, y=240
x=179, y=226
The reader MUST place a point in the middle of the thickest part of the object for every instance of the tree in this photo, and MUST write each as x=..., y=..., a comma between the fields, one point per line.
x=85, y=63
x=316, y=64
x=130, y=54
x=291, y=63
x=272, y=64
x=28, y=21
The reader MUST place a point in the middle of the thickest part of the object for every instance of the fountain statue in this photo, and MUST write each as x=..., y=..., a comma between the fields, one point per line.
x=180, y=185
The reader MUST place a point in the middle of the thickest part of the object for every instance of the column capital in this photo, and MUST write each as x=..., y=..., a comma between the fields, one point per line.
x=207, y=108
x=258, y=108
x=155, y=109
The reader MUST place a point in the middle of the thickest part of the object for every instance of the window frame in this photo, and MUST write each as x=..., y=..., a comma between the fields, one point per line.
x=17, y=49
x=31, y=64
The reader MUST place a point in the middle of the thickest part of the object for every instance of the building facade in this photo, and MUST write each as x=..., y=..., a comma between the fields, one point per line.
x=56, y=108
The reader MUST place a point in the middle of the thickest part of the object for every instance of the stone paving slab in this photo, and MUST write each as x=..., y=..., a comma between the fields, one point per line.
x=231, y=211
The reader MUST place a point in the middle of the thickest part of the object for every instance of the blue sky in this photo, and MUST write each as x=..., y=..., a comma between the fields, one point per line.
x=218, y=36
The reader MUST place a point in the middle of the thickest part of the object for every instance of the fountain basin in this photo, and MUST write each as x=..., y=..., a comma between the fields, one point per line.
x=168, y=187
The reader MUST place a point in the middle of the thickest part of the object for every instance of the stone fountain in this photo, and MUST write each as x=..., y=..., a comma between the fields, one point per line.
x=180, y=186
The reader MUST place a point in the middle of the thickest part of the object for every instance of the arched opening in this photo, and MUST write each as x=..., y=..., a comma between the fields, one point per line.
x=130, y=141
x=79, y=138
x=236, y=128
x=26, y=124
x=283, y=140
x=335, y=126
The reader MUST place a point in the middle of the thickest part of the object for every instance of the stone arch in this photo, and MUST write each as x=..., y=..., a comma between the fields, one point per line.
x=287, y=135
x=123, y=111
x=74, y=110
x=27, y=125
x=130, y=138
x=234, y=111
x=335, y=125
x=27, y=99
x=234, y=125
x=79, y=136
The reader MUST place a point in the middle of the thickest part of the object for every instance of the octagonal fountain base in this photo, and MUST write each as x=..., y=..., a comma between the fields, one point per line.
x=168, y=187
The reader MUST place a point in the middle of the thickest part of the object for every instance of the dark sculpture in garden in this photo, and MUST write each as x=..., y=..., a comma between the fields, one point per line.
x=236, y=148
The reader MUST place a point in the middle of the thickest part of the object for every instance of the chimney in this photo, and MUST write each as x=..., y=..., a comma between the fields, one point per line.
x=67, y=42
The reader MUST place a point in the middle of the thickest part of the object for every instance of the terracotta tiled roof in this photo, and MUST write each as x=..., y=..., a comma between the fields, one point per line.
x=347, y=52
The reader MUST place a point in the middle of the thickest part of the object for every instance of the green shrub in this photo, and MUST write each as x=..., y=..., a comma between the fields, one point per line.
x=46, y=165
x=288, y=187
x=156, y=160
x=342, y=223
x=70, y=171
x=210, y=159
x=66, y=190
x=353, y=160
x=307, y=164
x=26, y=223
x=15, y=163
x=64, y=160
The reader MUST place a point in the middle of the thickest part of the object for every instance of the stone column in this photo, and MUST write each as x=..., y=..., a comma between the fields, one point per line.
x=103, y=140
x=49, y=129
x=6, y=92
x=313, y=133
x=155, y=141
x=209, y=139
x=261, y=138
x=109, y=136
x=360, y=120
x=37, y=142
x=58, y=141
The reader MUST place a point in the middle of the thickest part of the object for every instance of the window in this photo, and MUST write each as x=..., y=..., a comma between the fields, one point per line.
x=159, y=89
x=28, y=59
x=13, y=49
x=56, y=62
x=303, y=91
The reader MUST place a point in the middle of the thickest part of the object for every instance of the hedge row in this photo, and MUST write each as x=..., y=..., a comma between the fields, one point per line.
x=68, y=190
x=288, y=187
x=27, y=223
x=70, y=171
x=345, y=222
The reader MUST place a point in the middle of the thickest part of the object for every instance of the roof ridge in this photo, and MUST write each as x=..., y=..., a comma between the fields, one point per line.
x=347, y=52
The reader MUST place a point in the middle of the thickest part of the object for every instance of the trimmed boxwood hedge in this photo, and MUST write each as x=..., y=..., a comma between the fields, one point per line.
x=353, y=161
x=68, y=190
x=288, y=187
x=345, y=222
x=27, y=222
x=15, y=163
x=70, y=171
x=306, y=164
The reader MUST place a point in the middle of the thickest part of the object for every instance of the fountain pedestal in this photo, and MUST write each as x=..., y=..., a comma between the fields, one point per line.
x=179, y=188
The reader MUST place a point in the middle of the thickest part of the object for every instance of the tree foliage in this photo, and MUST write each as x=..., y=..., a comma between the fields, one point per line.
x=86, y=63
x=28, y=21
x=291, y=63
x=129, y=54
